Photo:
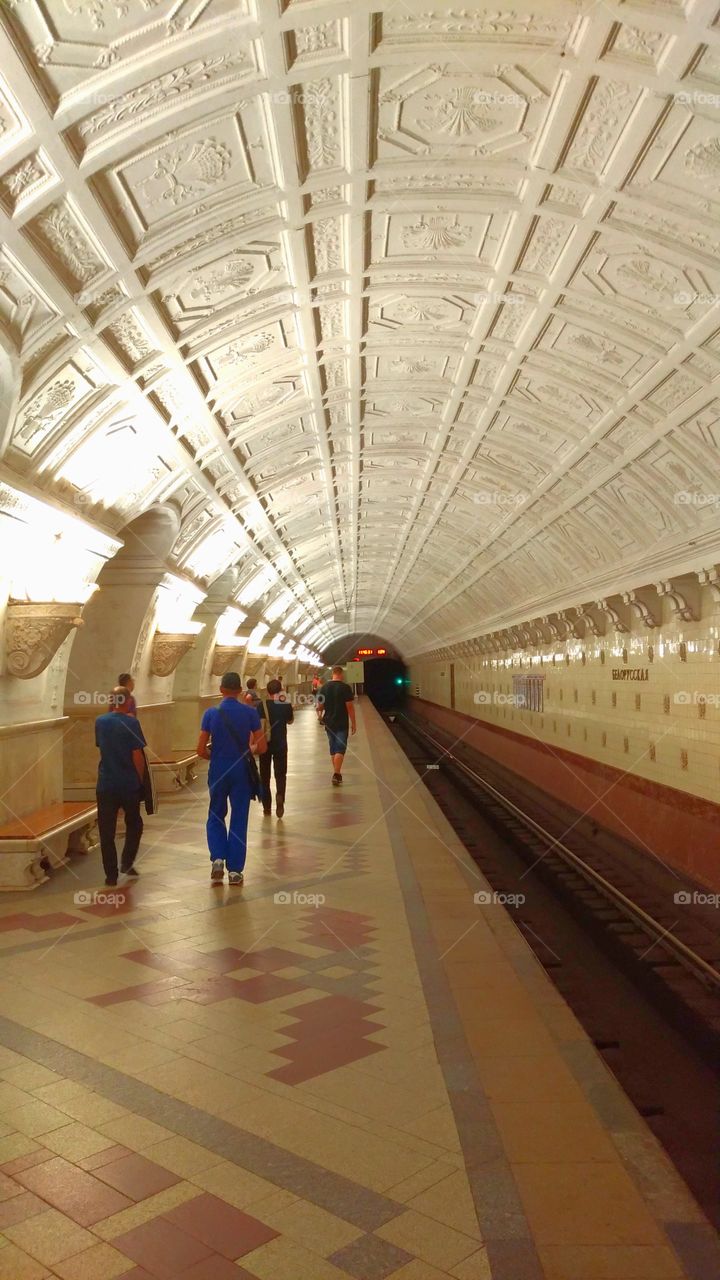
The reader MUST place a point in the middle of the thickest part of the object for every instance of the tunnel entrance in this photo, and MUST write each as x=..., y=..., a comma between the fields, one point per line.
x=386, y=683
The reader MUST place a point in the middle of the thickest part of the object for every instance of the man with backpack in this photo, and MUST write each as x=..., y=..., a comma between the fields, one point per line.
x=230, y=737
x=278, y=714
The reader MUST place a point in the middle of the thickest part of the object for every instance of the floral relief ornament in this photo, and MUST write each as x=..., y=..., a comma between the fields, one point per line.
x=188, y=171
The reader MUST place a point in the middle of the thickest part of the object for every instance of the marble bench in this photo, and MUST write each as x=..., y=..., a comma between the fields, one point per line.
x=47, y=835
x=175, y=772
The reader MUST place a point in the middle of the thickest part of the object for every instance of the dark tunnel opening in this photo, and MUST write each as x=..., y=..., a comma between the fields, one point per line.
x=386, y=683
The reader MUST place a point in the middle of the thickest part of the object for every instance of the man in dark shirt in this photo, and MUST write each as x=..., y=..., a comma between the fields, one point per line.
x=120, y=783
x=278, y=715
x=232, y=729
x=338, y=712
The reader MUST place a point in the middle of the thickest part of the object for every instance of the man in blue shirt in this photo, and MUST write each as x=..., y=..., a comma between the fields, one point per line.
x=278, y=715
x=232, y=730
x=120, y=741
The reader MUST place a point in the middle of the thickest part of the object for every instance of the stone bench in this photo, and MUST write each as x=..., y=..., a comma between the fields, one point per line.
x=175, y=772
x=46, y=835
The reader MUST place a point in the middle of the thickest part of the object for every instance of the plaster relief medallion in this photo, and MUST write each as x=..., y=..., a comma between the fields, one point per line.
x=24, y=308
x=42, y=415
x=321, y=106
x=68, y=245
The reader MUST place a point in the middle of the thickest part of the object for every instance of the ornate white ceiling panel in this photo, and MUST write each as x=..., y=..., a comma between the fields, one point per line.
x=413, y=311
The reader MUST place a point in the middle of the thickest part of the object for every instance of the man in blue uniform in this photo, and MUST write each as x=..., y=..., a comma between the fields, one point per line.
x=232, y=730
x=120, y=783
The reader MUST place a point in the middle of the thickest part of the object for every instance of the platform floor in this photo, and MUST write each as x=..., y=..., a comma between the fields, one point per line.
x=213, y=1083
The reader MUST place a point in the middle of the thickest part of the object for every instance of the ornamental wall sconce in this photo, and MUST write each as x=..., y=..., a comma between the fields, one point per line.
x=167, y=650
x=224, y=657
x=34, y=632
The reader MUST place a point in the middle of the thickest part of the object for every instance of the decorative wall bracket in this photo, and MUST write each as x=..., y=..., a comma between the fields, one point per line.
x=34, y=632
x=224, y=657
x=617, y=613
x=167, y=650
x=645, y=605
x=594, y=619
x=711, y=578
x=684, y=597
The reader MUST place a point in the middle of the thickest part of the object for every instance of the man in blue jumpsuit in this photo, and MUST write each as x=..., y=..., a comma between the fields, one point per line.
x=232, y=730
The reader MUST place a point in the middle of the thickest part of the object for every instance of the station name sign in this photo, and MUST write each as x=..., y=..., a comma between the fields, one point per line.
x=630, y=673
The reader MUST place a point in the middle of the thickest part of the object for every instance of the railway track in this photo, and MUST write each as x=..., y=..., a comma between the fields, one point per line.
x=642, y=978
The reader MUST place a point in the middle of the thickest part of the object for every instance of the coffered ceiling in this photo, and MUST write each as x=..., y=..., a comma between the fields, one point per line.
x=414, y=308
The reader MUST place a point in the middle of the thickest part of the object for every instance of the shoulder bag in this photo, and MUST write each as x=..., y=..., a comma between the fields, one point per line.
x=246, y=754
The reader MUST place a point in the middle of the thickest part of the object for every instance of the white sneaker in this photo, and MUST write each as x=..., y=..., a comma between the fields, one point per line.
x=217, y=870
x=235, y=877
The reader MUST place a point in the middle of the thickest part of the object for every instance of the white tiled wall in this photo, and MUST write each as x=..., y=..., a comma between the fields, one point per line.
x=666, y=729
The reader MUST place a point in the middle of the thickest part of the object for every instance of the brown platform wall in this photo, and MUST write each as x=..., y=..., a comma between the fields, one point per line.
x=682, y=829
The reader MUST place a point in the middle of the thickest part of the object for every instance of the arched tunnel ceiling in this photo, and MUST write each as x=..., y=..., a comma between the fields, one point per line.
x=413, y=309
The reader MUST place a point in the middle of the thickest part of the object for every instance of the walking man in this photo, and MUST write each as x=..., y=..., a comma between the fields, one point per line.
x=278, y=714
x=120, y=783
x=338, y=713
x=234, y=734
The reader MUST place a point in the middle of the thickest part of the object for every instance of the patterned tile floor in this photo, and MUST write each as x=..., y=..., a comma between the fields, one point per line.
x=346, y=1068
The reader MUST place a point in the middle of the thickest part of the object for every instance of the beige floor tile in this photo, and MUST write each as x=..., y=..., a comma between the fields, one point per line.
x=30, y=1077
x=50, y=1237
x=419, y=1182
x=476, y=1267
x=35, y=1118
x=427, y=1239
x=564, y=1130
x=578, y=1204
x=15, y=1145
x=449, y=1202
x=315, y=1229
x=419, y=1270
x=56, y=1094
x=127, y=1219
x=135, y=1132
x=16, y=1264
x=596, y=1262
x=101, y=1262
x=287, y=1260
x=237, y=1186
x=76, y=1141
x=180, y=1156
x=12, y=1097
x=437, y=1126
x=92, y=1109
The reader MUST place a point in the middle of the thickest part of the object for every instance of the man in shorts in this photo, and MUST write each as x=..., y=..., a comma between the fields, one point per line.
x=338, y=716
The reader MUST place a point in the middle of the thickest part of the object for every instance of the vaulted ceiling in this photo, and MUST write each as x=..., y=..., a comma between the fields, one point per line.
x=413, y=309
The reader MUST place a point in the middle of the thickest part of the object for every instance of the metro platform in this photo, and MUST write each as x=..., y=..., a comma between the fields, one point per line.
x=347, y=1068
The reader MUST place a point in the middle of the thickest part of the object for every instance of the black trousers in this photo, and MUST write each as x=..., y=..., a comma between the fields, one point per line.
x=109, y=804
x=276, y=760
